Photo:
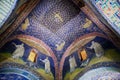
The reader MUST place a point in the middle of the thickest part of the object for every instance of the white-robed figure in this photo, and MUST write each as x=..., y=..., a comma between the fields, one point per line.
x=72, y=63
x=19, y=51
x=99, y=51
x=47, y=65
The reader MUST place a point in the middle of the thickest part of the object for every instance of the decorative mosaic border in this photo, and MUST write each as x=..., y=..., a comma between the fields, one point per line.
x=113, y=24
x=98, y=65
x=16, y=65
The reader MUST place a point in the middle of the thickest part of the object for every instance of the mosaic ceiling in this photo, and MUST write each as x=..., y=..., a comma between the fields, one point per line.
x=58, y=40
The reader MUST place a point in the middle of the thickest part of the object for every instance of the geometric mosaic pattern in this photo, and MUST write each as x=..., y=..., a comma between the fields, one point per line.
x=6, y=7
x=110, y=11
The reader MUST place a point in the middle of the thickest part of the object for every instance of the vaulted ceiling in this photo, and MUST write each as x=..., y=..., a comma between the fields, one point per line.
x=58, y=39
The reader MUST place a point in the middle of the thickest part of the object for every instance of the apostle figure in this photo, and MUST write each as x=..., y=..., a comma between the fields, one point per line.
x=47, y=65
x=19, y=51
x=60, y=46
x=99, y=51
x=72, y=63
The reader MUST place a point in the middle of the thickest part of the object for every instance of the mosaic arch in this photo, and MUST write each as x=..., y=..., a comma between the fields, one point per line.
x=76, y=62
x=35, y=51
x=76, y=45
